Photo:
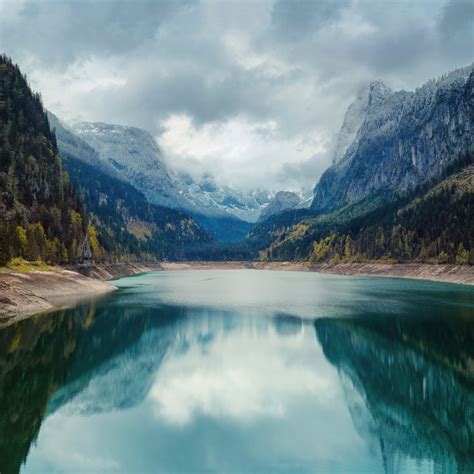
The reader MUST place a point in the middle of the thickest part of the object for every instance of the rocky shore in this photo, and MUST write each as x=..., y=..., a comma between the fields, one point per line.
x=111, y=271
x=25, y=293
x=460, y=274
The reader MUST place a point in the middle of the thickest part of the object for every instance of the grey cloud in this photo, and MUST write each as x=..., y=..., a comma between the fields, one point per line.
x=303, y=174
x=296, y=18
x=308, y=58
x=457, y=17
x=456, y=28
x=57, y=32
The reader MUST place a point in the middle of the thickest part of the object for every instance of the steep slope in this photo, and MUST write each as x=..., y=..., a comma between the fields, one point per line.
x=401, y=185
x=430, y=224
x=353, y=119
x=128, y=226
x=41, y=216
x=282, y=201
x=70, y=143
x=398, y=139
x=131, y=154
x=135, y=156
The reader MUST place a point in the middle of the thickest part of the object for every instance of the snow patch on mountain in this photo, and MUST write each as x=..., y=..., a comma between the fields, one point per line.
x=284, y=201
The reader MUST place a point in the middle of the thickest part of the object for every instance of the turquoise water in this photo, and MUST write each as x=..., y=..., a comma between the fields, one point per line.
x=244, y=371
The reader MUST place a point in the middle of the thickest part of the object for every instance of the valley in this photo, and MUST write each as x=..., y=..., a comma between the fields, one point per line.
x=236, y=237
x=127, y=205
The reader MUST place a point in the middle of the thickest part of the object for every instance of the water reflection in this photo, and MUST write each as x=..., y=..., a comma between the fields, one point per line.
x=415, y=382
x=34, y=356
x=143, y=381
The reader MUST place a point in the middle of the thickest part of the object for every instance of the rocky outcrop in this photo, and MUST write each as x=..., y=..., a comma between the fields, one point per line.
x=282, y=201
x=135, y=156
x=393, y=141
x=205, y=196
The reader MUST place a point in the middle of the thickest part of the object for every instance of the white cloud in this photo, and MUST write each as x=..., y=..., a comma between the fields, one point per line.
x=66, y=93
x=222, y=381
x=241, y=151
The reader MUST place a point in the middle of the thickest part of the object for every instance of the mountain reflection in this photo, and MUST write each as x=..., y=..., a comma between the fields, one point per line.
x=48, y=360
x=404, y=384
x=34, y=357
x=93, y=358
x=416, y=379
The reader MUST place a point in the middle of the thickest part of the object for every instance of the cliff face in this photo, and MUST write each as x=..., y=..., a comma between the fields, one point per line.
x=393, y=141
x=135, y=157
x=132, y=155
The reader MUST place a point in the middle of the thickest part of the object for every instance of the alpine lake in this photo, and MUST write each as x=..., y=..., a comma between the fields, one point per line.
x=244, y=371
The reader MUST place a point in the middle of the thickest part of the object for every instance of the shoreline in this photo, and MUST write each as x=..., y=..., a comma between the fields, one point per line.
x=24, y=294
x=457, y=274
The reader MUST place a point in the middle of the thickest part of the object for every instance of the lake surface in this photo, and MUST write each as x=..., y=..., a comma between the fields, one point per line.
x=244, y=371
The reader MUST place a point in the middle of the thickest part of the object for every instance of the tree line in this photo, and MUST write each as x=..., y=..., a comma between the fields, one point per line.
x=41, y=215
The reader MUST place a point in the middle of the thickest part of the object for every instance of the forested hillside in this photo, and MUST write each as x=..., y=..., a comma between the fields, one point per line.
x=66, y=209
x=401, y=187
x=41, y=216
x=431, y=224
x=129, y=227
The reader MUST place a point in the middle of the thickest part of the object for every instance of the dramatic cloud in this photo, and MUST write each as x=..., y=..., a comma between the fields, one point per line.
x=253, y=91
x=234, y=147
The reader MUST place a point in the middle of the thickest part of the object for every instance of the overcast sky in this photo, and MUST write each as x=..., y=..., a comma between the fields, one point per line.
x=253, y=90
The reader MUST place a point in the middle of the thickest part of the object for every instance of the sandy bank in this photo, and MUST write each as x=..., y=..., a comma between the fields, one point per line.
x=24, y=294
x=461, y=274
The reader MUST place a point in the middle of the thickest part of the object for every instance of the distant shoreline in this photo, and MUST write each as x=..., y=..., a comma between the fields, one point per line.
x=458, y=274
x=29, y=293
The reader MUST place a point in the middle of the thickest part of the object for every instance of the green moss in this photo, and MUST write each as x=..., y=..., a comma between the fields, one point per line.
x=21, y=265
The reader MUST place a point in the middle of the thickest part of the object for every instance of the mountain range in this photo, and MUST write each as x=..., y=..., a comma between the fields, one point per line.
x=400, y=187
x=401, y=184
x=132, y=155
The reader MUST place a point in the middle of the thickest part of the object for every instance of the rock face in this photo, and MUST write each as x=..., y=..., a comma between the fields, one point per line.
x=135, y=156
x=393, y=141
x=282, y=201
x=70, y=143
x=125, y=220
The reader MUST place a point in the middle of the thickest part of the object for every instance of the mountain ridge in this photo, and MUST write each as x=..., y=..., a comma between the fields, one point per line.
x=402, y=138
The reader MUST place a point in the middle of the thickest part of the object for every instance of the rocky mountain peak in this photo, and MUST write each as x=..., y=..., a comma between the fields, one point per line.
x=352, y=121
x=378, y=93
x=393, y=141
x=281, y=201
